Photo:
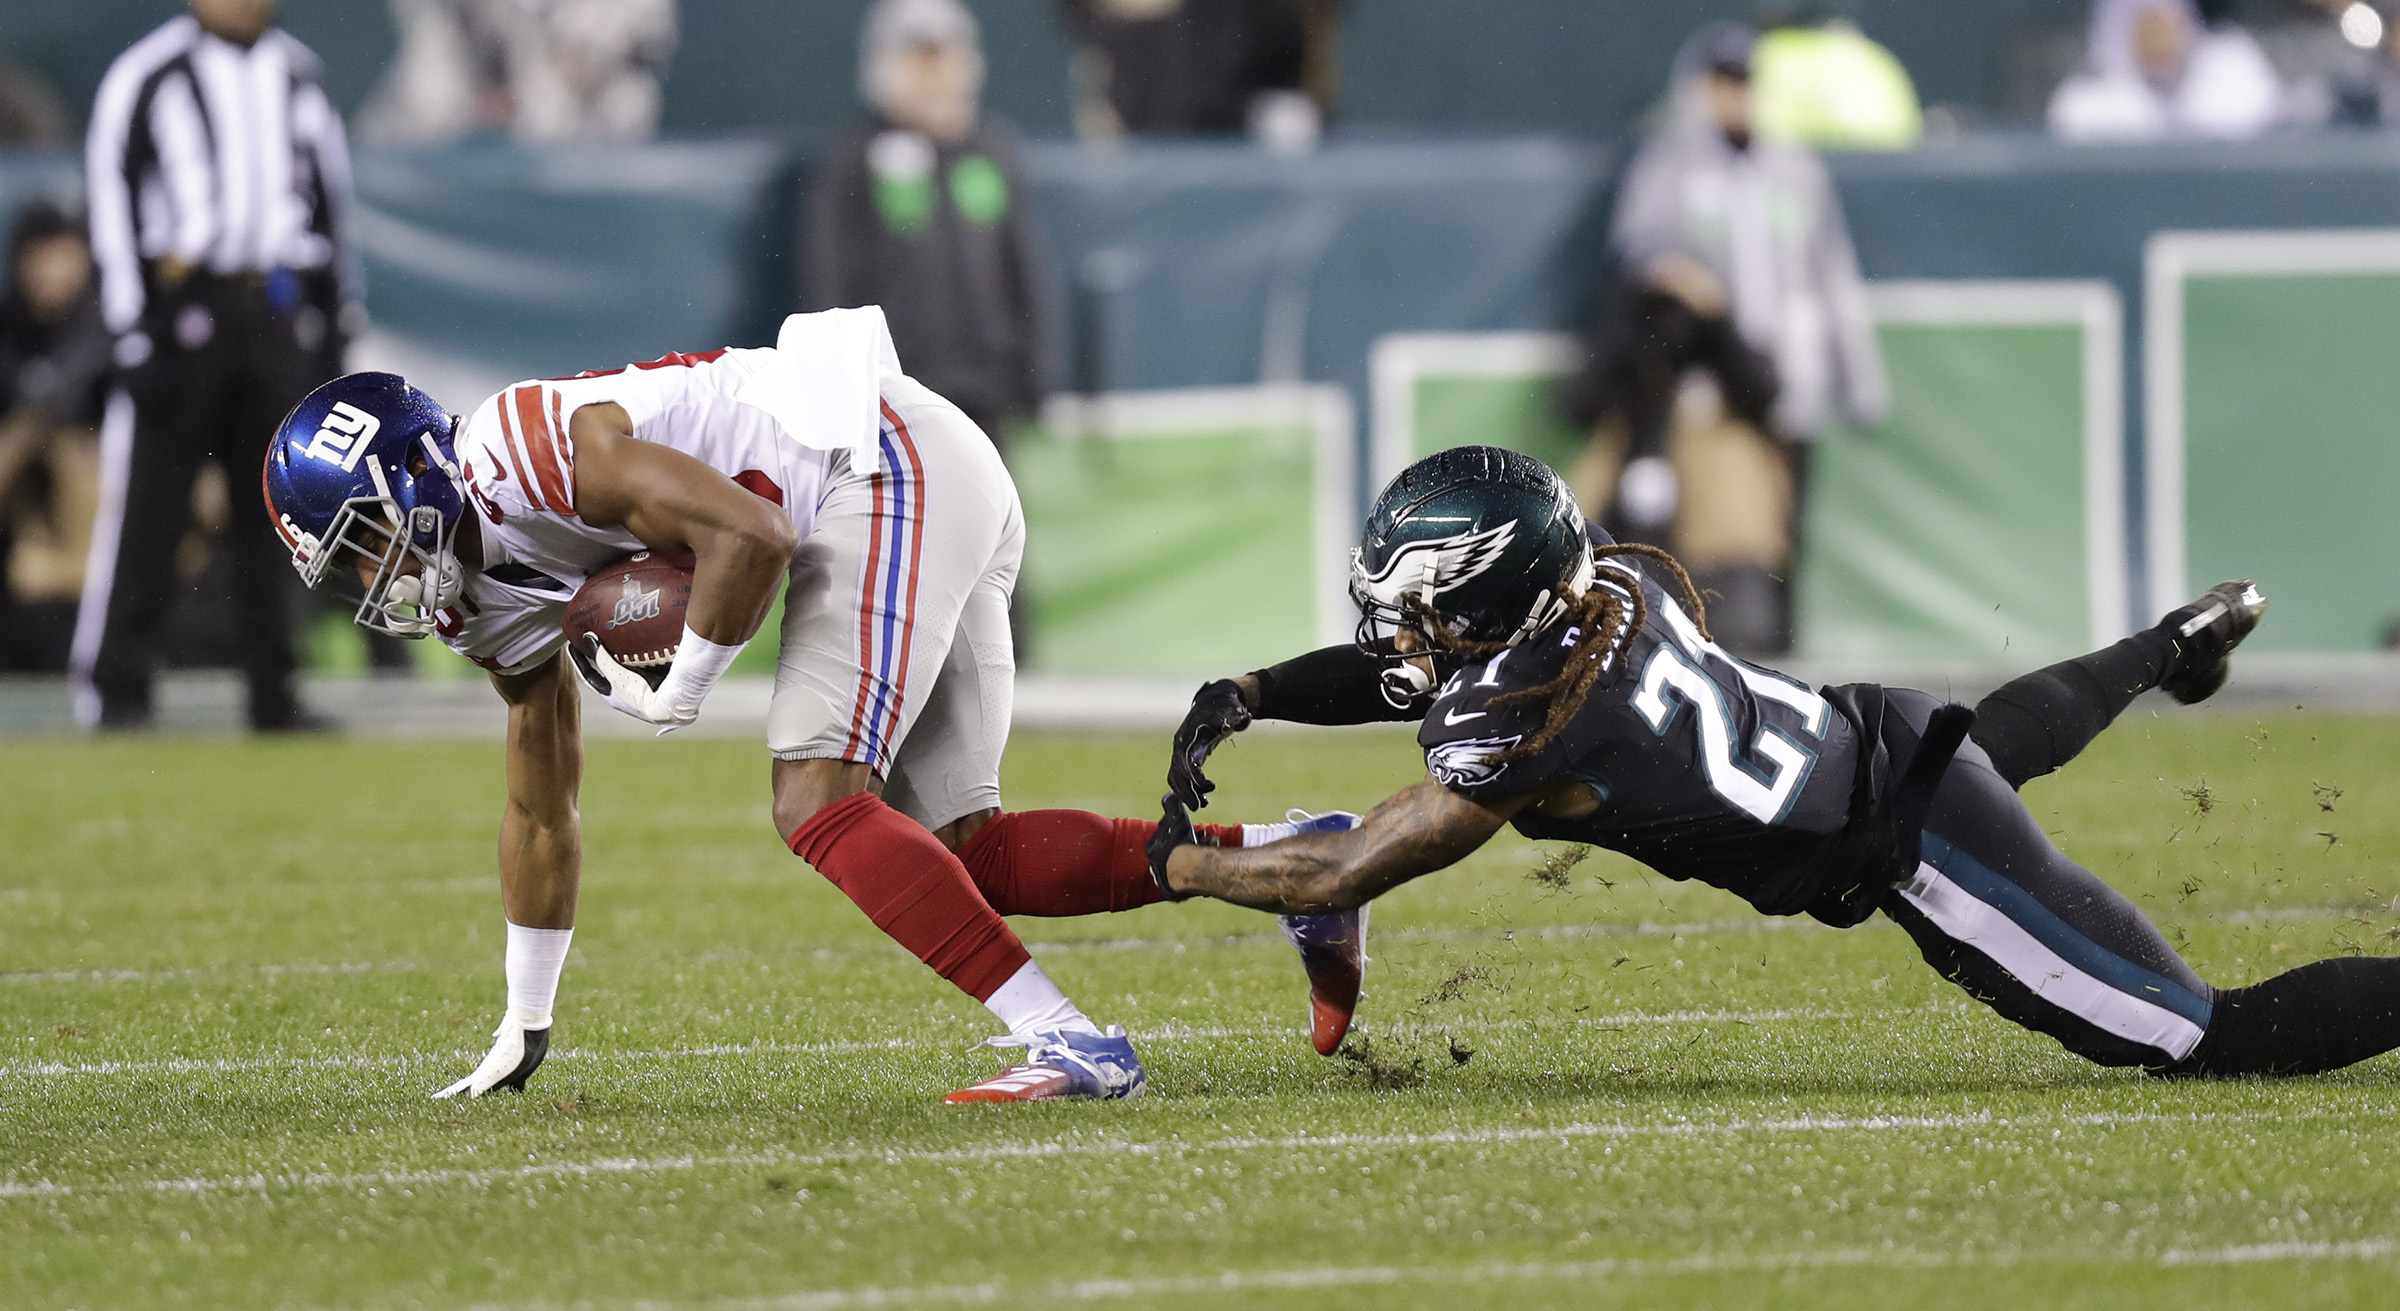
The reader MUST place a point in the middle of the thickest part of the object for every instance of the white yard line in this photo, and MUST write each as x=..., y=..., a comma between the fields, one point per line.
x=1266, y=938
x=1164, y=1033
x=204, y=971
x=1607, y=1268
x=2361, y=1250
x=1082, y=1146
x=1568, y=932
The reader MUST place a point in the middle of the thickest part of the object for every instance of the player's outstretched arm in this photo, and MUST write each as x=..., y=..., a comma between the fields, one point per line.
x=741, y=546
x=541, y=866
x=1333, y=685
x=1422, y=828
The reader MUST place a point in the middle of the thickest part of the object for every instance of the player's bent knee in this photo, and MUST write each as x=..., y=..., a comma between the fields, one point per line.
x=962, y=830
x=804, y=787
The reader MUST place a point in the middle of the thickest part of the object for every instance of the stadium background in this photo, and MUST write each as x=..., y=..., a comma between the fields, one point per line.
x=231, y=969
x=1460, y=194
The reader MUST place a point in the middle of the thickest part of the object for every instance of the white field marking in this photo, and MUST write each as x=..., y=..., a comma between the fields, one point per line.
x=1164, y=1033
x=204, y=971
x=2359, y=1250
x=1643, y=929
x=2280, y=914
x=1314, y=1277
x=1078, y=1147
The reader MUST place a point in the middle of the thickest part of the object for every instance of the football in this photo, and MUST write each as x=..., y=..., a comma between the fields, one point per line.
x=636, y=606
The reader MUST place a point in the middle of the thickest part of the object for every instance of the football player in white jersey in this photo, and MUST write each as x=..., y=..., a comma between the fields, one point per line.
x=894, y=531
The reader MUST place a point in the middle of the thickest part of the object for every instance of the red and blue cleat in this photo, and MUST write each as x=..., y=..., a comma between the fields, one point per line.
x=1333, y=950
x=1061, y=1063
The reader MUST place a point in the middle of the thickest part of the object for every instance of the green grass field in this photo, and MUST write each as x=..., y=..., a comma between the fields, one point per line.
x=231, y=972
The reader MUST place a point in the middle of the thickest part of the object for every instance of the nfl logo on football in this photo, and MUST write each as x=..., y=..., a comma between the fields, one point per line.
x=637, y=604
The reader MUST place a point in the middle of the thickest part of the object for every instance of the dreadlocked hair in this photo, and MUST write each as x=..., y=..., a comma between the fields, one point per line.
x=1605, y=620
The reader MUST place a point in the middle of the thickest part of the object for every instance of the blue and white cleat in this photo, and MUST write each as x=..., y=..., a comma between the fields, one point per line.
x=1333, y=949
x=1061, y=1063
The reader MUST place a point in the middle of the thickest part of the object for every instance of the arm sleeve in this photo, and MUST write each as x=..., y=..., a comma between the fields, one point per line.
x=1332, y=685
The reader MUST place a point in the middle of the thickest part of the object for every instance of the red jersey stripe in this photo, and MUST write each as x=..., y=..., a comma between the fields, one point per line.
x=516, y=458
x=670, y=360
x=541, y=449
x=562, y=448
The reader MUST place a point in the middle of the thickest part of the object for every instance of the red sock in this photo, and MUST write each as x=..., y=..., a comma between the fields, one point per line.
x=1068, y=862
x=914, y=889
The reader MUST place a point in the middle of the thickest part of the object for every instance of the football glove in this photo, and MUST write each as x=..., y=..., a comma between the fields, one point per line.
x=1217, y=713
x=627, y=691
x=516, y=1053
x=1174, y=830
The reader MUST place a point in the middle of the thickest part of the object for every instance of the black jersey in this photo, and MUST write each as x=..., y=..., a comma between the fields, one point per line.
x=1706, y=767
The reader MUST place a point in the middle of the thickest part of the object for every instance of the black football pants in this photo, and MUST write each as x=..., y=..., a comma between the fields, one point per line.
x=223, y=372
x=2002, y=912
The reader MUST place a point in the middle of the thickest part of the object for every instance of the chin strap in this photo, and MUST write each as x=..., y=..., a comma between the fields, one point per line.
x=1404, y=684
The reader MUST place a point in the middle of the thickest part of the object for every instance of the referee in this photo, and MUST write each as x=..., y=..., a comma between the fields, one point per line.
x=219, y=183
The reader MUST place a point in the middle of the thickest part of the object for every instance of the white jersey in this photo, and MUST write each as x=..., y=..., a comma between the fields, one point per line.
x=520, y=481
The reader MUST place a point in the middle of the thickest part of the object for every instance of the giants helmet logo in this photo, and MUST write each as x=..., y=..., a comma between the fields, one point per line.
x=638, y=603
x=344, y=437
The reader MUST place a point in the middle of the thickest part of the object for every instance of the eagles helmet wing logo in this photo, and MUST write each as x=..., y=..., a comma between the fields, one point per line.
x=1430, y=568
x=1470, y=762
x=638, y=603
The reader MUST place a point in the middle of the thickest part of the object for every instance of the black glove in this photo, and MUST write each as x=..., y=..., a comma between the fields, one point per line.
x=1174, y=830
x=1217, y=712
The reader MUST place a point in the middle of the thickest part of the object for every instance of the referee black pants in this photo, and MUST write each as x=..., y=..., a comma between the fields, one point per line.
x=225, y=368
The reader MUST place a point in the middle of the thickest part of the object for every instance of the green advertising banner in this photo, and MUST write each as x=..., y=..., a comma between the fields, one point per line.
x=1187, y=533
x=1982, y=521
x=2273, y=416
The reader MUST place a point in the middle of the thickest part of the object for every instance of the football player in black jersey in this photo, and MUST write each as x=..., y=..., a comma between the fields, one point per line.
x=1564, y=686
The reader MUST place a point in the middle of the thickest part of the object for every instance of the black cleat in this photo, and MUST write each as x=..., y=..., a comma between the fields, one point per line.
x=2205, y=633
x=516, y=1053
x=537, y=1046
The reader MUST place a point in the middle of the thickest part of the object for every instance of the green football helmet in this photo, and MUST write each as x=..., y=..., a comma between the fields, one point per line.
x=1487, y=539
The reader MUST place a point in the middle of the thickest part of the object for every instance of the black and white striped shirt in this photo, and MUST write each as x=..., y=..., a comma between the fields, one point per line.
x=225, y=157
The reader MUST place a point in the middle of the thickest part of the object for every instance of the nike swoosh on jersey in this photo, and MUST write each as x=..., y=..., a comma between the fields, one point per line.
x=1451, y=718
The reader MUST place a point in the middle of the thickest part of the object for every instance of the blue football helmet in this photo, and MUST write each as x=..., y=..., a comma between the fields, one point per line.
x=339, y=480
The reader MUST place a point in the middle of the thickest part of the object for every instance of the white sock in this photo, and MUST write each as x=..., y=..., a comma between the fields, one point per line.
x=1030, y=1003
x=535, y=956
x=1257, y=835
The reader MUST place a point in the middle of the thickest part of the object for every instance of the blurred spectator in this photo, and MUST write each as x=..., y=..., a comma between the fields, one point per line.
x=1205, y=67
x=2155, y=71
x=2365, y=91
x=585, y=70
x=923, y=211
x=53, y=376
x=31, y=114
x=541, y=70
x=1825, y=84
x=449, y=78
x=1734, y=263
x=2307, y=41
